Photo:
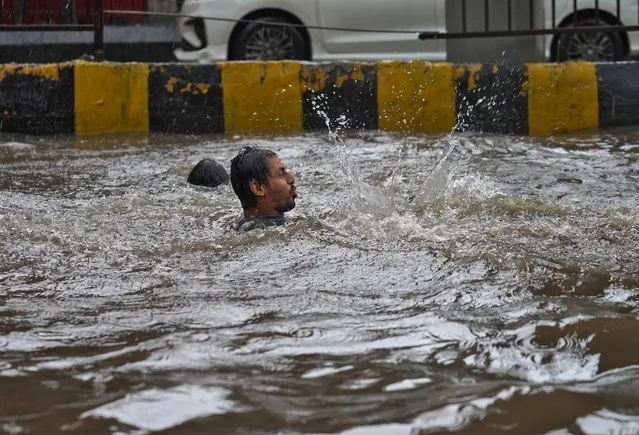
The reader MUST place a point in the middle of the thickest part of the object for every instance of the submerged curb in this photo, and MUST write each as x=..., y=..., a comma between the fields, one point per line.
x=292, y=97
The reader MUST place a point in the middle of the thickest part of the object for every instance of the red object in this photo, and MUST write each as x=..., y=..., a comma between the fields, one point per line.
x=68, y=11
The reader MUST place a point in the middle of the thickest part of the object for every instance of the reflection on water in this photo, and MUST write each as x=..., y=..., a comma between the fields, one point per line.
x=476, y=284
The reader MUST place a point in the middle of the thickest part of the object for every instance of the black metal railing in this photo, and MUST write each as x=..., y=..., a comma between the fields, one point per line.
x=92, y=15
x=70, y=15
x=580, y=29
x=533, y=29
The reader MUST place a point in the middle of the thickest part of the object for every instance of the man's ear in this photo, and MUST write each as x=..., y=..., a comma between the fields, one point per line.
x=257, y=188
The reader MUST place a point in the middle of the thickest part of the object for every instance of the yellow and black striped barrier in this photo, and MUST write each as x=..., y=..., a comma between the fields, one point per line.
x=291, y=97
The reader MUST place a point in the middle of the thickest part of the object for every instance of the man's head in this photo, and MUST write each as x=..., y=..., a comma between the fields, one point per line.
x=262, y=182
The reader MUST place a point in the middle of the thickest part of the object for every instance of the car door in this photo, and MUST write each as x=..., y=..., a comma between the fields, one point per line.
x=411, y=16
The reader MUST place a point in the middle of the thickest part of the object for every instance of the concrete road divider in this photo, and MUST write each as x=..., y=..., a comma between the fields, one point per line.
x=290, y=97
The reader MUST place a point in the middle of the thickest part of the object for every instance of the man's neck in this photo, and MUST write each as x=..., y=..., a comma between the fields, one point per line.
x=257, y=211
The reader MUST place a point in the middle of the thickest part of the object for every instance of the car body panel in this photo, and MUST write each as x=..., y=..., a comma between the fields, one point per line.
x=405, y=15
x=409, y=16
x=218, y=32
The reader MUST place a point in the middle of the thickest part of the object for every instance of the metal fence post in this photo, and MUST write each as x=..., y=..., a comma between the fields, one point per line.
x=98, y=35
x=488, y=16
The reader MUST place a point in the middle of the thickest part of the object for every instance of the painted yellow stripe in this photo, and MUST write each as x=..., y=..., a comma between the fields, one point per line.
x=416, y=96
x=46, y=71
x=111, y=97
x=562, y=98
x=262, y=97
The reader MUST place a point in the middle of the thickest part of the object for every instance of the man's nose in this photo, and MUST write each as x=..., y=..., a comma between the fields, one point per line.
x=291, y=177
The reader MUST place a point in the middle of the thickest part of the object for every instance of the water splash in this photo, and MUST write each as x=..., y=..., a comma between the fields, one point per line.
x=365, y=198
x=438, y=179
x=381, y=201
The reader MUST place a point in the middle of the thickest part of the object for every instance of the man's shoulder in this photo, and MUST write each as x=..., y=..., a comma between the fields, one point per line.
x=248, y=223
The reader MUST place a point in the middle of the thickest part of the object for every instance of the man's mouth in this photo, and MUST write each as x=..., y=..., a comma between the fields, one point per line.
x=294, y=193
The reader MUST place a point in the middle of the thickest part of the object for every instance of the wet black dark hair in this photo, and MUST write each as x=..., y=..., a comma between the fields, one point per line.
x=208, y=173
x=248, y=166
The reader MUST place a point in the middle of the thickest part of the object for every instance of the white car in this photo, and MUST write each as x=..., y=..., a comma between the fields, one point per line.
x=318, y=30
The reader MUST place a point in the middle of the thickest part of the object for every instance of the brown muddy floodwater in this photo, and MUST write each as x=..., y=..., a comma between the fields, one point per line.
x=462, y=283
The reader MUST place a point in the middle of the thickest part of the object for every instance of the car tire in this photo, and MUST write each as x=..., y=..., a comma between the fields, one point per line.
x=593, y=47
x=260, y=41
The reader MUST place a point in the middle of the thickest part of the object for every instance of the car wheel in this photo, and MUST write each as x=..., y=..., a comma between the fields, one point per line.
x=259, y=41
x=594, y=47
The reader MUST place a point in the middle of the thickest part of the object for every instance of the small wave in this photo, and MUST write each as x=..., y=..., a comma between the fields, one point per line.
x=608, y=421
x=157, y=409
x=17, y=146
x=325, y=371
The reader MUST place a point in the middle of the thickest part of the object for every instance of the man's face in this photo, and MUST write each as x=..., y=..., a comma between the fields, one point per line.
x=280, y=190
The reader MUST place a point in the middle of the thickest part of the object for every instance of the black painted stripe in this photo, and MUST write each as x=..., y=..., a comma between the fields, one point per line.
x=339, y=91
x=185, y=99
x=618, y=94
x=492, y=99
x=37, y=100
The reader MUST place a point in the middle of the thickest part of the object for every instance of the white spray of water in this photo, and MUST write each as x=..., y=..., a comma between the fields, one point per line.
x=438, y=179
x=377, y=207
x=367, y=199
